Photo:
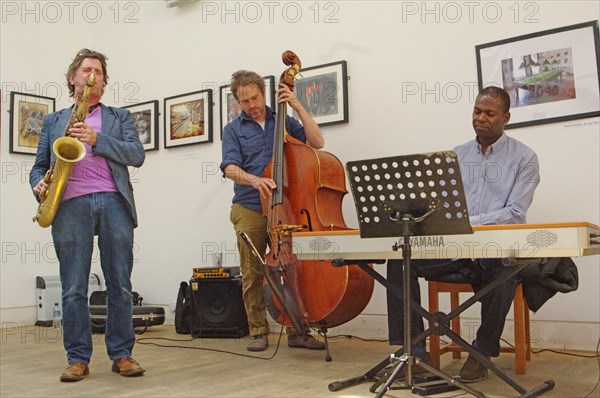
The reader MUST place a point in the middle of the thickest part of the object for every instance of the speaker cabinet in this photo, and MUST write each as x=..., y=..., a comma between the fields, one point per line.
x=218, y=308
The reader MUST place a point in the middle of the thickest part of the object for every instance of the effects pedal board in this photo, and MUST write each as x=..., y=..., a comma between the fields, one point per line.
x=429, y=384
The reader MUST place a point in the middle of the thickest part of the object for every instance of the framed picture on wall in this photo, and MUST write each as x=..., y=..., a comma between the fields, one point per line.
x=230, y=109
x=323, y=91
x=145, y=118
x=27, y=112
x=188, y=119
x=551, y=76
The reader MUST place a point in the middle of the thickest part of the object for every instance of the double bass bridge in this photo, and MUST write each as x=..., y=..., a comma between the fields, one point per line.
x=286, y=229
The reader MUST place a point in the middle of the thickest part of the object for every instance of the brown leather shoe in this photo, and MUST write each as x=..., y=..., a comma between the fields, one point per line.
x=305, y=341
x=127, y=367
x=75, y=372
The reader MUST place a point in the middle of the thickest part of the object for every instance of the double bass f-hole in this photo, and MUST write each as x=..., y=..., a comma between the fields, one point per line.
x=309, y=222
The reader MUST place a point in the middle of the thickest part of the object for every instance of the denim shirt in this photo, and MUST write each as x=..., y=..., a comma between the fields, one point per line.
x=248, y=146
x=499, y=185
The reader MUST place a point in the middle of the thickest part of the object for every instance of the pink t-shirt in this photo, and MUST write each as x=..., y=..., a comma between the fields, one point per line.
x=92, y=173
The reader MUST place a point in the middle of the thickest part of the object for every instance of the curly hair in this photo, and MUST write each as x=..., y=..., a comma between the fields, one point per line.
x=243, y=78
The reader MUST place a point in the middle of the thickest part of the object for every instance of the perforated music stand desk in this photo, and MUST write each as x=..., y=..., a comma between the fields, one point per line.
x=406, y=196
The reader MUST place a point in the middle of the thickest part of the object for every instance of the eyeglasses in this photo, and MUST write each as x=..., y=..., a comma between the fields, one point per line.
x=84, y=53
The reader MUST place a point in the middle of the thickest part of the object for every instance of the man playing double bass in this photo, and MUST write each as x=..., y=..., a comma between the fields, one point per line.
x=247, y=150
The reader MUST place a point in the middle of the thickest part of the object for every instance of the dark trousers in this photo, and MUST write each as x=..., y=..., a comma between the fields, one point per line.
x=494, y=306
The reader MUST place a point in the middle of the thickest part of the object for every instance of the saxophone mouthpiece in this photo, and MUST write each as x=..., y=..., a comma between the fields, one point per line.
x=91, y=80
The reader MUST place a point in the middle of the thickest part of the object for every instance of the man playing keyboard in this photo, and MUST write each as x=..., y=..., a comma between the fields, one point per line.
x=500, y=175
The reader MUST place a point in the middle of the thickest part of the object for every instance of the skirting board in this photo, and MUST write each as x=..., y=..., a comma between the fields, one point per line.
x=25, y=316
x=576, y=336
x=562, y=336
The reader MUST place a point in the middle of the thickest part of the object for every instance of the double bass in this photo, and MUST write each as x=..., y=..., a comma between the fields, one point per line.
x=310, y=187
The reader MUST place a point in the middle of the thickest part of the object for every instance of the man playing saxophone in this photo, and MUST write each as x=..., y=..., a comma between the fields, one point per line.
x=98, y=200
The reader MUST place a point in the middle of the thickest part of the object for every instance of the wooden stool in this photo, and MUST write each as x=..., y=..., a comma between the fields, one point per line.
x=522, y=347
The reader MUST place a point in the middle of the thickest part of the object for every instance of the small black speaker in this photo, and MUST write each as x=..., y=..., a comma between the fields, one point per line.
x=218, y=308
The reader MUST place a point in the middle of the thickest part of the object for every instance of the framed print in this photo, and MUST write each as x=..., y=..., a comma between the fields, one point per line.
x=145, y=118
x=230, y=109
x=323, y=91
x=188, y=119
x=27, y=112
x=551, y=76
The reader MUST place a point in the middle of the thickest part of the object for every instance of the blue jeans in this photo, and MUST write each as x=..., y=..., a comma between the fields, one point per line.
x=75, y=224
x=494, y=305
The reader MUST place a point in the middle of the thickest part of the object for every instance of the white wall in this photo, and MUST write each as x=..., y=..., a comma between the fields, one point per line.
x=183, y=203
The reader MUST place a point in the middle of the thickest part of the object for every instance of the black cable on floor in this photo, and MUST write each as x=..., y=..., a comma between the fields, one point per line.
x=557, y=352
x=146, y=341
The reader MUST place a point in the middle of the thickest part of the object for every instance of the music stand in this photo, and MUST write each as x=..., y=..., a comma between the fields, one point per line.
x=406, y=196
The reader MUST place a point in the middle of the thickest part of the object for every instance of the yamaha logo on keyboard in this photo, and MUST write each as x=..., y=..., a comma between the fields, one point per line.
x=427, y=241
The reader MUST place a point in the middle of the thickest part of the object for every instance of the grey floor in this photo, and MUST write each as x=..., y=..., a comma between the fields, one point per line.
x=32, y=358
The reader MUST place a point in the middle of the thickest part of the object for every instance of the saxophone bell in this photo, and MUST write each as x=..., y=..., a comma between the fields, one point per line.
x=68, y=151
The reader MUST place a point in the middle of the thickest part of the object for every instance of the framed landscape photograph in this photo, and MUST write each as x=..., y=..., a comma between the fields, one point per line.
x=323, y=91
x=145, y=118
x=188, y=119
x=27, y=112
x=230, y=109
x=551, y=76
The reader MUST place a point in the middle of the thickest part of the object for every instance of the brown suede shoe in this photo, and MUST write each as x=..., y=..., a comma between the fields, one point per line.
x=127, y=367
x=473, y=371
x=305, y=341
x=75, y=372
x=260, y=342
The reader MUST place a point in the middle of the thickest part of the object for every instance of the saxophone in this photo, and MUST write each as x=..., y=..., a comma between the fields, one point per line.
x=68, y=151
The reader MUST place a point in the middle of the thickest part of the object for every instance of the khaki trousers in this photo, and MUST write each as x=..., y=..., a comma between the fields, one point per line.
x=254, y=224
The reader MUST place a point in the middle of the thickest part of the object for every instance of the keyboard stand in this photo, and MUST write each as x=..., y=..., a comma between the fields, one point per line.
x=439, y=324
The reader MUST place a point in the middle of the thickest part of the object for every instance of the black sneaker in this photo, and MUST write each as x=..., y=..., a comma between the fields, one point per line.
x=473, y=371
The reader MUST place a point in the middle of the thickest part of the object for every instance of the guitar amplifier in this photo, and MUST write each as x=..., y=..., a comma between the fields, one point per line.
x=218, y=308
x=216, y=272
